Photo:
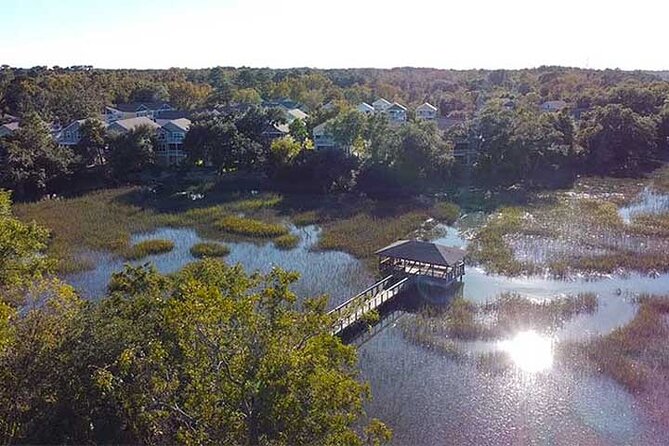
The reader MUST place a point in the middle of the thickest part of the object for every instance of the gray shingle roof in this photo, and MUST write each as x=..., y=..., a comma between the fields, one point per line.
x=420, y=251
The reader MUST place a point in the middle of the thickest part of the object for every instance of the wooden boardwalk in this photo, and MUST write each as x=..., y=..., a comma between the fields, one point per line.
x=400, y=262
x=354, y=309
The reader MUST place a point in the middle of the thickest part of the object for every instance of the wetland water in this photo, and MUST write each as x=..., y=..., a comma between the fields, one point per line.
x=334, y=273
x=430, y=399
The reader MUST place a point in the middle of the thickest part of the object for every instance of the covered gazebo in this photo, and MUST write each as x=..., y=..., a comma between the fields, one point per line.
x=418, y=258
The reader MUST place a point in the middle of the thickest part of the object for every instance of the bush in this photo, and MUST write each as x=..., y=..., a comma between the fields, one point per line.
x=149, y=247
x=288, y=241
x=446, y=212
x=250, y=227
x=209, y=249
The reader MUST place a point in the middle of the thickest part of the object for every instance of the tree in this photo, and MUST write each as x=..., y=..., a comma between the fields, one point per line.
x=32, y=160
x=92, y=146
x=187, y=95
x=22, y=249
x=618, y=141
x=133, y=151
x=218, y=356
x=247, y=96
x=298, y=130
x=348, y=129
x=218, y=141
x=421, y=153
x=283, y=151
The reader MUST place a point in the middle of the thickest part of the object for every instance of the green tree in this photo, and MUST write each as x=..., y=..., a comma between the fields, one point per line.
x=92, y=146
x=284, y=150
x=247, y=96
x=32, y=160
x=618, y=141
x=133, y=151
x=299, y=131
x=218, y=356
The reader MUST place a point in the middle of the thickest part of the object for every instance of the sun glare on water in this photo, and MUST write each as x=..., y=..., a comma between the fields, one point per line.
x=529, y=351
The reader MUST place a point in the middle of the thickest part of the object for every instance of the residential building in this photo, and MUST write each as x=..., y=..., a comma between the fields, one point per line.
x=426, y=112
x=295, y=113
x=322, y=138
x=553, y=106
x=69, y=136
x=171, y=136
x=274, y=131
x=8, y=128
x=365, y=108
x=397, y=113
x=127, y=125
x=380, y=105
x=135, y=110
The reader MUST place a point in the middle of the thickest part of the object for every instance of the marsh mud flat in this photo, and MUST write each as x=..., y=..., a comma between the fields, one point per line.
x=429, y=397
x=334, y=273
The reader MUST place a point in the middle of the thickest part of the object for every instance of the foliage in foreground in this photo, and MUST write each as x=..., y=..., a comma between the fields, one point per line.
x=211, y=355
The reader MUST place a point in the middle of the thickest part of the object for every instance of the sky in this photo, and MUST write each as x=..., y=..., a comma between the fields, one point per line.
x=457, y=34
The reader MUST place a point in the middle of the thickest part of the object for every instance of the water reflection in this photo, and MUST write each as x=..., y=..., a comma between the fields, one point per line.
x=529, y=351
x=337, y=274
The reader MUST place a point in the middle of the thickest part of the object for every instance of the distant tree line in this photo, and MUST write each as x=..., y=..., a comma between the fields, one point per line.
x=616, y=123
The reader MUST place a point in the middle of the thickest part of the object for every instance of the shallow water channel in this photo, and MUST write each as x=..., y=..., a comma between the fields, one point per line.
x=428, y=398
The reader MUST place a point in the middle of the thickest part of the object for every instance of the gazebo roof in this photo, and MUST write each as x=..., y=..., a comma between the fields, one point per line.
x=425, y=252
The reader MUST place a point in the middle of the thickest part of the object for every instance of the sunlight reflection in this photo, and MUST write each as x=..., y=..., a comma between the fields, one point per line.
x=529, y=351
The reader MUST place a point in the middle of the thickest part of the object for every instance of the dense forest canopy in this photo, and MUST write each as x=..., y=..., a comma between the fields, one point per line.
x=607, y=122
x=64, y=94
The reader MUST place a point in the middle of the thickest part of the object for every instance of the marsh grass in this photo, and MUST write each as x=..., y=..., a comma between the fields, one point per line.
x=489, y=247
x=105, y=220
x=445, y=212
x=209, y=249
x=288, y=241
x=509, y=314
x=636, y=355
x=250, y=227
x=363, y=233
x=576, y=231
x=148, y=247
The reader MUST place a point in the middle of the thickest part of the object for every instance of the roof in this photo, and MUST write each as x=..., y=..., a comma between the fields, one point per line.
x=182, y=124
x=426, y=105
x=397, y=106
x=363, y=106
x=322, y=128
x=172, y=114
x=133, y=123
x=554, y=104
x=297, y=113
x=6, y=117
x=12, y=126
x=426, y=252
x=136, y=106
x=381, y=103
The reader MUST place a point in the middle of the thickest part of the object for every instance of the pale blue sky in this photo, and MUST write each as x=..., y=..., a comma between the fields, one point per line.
x=335, y=33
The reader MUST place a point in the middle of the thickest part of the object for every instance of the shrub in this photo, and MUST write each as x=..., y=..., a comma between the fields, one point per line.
x=288, y=241
x=209, y=249
x=250, y=227
x=446, y=212
x=149, y=247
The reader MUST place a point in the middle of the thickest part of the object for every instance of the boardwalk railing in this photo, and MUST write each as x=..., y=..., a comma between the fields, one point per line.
x=373, y=297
